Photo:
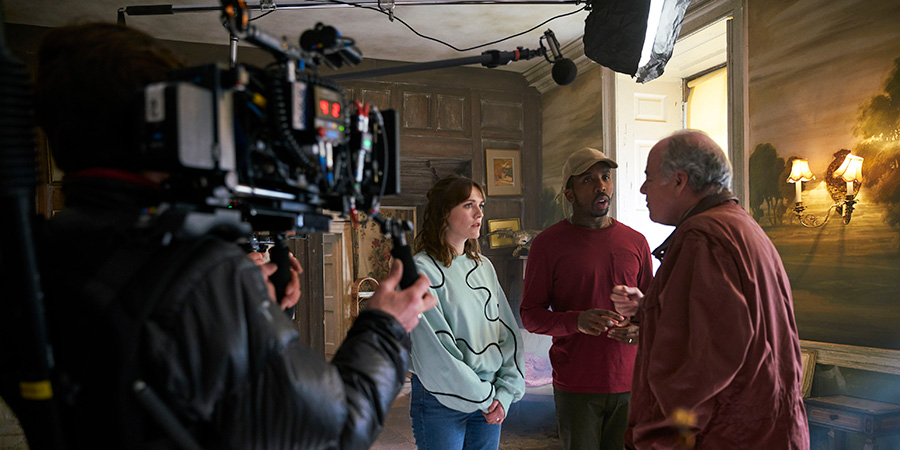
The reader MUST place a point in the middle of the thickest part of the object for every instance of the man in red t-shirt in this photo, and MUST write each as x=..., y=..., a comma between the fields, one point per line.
x=571, y=270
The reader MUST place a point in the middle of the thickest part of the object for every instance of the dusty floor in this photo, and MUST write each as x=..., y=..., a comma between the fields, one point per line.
x=530, y=426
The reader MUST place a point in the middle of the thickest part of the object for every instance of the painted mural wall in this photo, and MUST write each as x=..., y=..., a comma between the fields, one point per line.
x=824, y=82
x=572, y=120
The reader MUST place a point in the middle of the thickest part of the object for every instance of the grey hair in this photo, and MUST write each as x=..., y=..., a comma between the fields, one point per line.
x=706, y=165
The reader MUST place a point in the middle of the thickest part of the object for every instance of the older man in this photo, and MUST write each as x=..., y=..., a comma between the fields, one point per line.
x=718, y=364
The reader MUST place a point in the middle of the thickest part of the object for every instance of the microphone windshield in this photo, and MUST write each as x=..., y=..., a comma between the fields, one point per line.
x=564, y=71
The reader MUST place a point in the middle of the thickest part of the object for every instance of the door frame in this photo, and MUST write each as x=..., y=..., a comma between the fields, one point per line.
x=699, y=15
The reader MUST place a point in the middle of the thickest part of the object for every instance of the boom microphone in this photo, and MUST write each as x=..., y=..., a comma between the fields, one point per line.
x=564, y=70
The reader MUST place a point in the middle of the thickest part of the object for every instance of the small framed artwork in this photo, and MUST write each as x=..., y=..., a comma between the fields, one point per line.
x=501, y=232
x=808, y=363
x=504, y=172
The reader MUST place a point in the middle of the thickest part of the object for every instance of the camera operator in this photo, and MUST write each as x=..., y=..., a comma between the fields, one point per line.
x=193, y=319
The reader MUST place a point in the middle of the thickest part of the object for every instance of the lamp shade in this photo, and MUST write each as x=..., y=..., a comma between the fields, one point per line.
x=800, y=171
x=850, y=169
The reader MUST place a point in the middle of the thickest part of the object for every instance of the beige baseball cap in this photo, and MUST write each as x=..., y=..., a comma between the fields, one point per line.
x=582, y=160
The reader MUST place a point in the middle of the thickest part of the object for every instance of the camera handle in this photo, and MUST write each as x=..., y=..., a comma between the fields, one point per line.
x=280, y=255
x=396, y=230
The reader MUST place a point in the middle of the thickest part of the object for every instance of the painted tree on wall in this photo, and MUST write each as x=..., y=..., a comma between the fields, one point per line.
x=551, y=207
x=878, y=125
x=766, y=198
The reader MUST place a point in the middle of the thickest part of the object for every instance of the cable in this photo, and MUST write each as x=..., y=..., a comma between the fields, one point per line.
x=263, y=15
x=449, y=45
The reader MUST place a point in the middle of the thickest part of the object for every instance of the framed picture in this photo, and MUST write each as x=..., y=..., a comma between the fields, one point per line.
x=808, y=362
x=504, y=172
x=371, y=250
x=503, y=230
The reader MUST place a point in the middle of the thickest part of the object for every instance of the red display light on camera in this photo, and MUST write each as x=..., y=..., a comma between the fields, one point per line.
x=327, y=108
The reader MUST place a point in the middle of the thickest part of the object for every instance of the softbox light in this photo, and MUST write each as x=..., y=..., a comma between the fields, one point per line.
x=635, y=37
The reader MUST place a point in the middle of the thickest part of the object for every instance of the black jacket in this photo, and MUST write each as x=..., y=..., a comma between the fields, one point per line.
x=218, y=353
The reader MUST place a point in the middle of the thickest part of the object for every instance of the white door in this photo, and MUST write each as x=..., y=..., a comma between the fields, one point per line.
x=645, y=113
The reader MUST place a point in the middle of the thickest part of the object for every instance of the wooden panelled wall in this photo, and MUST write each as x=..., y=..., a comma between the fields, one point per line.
x=447, y=119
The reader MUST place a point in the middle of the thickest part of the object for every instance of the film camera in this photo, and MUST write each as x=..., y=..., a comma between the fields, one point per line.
x=278, y=144
x=271, y=149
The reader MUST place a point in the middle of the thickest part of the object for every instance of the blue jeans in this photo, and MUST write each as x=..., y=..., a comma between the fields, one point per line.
x=437, y=427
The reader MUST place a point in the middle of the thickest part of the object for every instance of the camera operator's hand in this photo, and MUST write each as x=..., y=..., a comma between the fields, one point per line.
x=405, y=305
x=258, y=257
x=292, y=290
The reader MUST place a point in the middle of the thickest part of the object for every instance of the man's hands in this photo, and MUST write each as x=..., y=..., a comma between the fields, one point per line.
x=598, y=321
x=292, y=290
x=626, y=333
x=495, y=413
x=405, y=305
x=626, y=298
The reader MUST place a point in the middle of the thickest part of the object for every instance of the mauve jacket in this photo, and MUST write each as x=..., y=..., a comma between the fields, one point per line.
x=718, y=339
x=221, y=356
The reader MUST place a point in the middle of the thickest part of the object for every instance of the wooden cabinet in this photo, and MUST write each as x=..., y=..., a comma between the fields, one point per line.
x=842, y=414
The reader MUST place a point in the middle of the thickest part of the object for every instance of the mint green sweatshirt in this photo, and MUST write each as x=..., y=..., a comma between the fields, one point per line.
x=467, y=350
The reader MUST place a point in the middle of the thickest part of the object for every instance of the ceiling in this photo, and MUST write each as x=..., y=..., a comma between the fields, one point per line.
x=461, y=25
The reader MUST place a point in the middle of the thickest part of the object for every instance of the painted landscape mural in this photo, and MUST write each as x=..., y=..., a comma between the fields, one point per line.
x=824, y=83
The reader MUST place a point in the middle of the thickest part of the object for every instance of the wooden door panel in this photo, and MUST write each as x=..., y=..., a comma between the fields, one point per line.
x=418, y=175
x=502, y=118
x=333, y=298
x=451, y=113
x=417, y=111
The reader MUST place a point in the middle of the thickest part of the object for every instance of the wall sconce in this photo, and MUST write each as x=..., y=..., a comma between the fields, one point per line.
x=850, y=171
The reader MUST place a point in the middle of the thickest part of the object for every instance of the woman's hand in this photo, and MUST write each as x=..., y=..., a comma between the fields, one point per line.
x=495, y=413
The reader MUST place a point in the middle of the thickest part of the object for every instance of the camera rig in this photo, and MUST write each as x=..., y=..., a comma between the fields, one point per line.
x=270, y=149
x=279, y=144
